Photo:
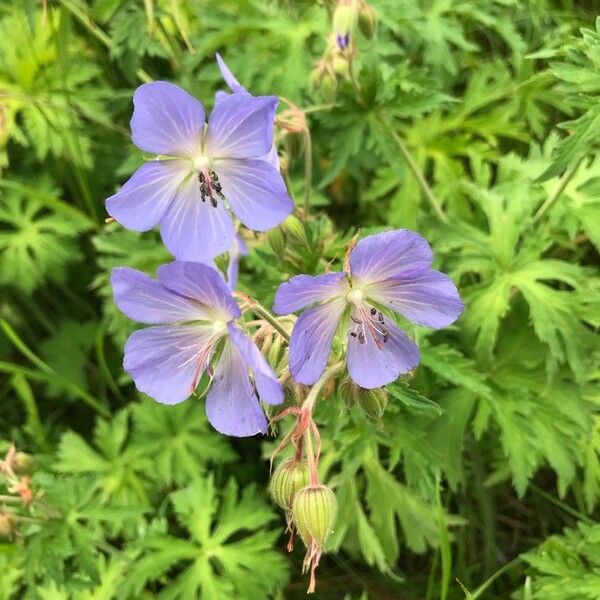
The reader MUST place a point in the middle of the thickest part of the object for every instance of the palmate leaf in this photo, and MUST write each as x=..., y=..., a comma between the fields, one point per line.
x=567, y=567
x=228, y=552
x=47, y=94
x=73, y=528
x=116, y=467
x=67, y=353
x=591, y=466
x=179, y=439
x=510, y=263
x=36, y=242
x=11, y=574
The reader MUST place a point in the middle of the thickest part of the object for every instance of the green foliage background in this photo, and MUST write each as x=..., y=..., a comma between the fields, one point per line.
x=482, y=480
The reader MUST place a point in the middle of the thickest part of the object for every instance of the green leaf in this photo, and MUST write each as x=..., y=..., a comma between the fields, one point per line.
x=227, y=550
x=36, y=243
x=179, y=439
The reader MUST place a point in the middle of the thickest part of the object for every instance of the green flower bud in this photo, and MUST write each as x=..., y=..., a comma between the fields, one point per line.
x=323, y=79
x=314, y=513
x=8, y=525
x=289, y=477
x=23, y=462
x=348, y=391
x=277, y=242
x=295, y=143
x=345, y=18
x=367, y=20
x=373, y=402
x=294, y=228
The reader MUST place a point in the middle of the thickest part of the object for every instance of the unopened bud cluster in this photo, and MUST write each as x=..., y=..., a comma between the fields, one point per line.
x=372, y=402
x=13, y=469
x=349, y=17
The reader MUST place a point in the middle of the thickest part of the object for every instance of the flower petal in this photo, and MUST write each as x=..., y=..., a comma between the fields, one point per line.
x=195, y=230
x=145, y=300
x=202, y=283
x=371, y=366
x=143, y=200
x=302, y=290
x=430, y=299
x=241, y=126
x=235, y=86
x=269, y=389
x=237, y=250
x=255, y=192
x=166, y=120
x=311, y=340
x=166, y=362
x=389, y=254
x=231, y=405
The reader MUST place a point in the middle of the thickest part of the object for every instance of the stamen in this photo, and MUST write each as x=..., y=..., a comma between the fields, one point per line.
x=369, y=320
x=209, y=187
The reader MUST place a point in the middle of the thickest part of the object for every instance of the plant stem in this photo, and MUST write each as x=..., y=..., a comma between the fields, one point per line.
x=551, y=201
x=309, y=403
x=307, y=171
x=11, y=500
x=484, y=586
x=313, y=469
x=102, y=37
x=414, y=169
x=260, y=310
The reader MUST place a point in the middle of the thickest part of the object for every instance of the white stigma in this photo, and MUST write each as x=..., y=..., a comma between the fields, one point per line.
x=354, y=295
x=219, y=326
x=201, y=163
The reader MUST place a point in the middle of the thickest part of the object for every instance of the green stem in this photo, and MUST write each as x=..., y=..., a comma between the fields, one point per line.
x=318, y=386
x=484, y=586
x=313, y=470
x=102, y=37
x=414, y=169
x=7, y=367
x=260, y=310
x=307, y=171
x=551, y=200
x=562, y=505
x=10, y=500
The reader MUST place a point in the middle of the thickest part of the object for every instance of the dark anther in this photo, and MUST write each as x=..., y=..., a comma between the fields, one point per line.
x=361, y=337
x=201, y=177
x=373, y=312
x=380, y=317
x=214, y=176
x=213, y=201
x=353, y=334
x=357, y=321
x=386, y=336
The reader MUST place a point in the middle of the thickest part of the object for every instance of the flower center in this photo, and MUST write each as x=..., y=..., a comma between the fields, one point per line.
x=354, y=296
x=201, y=163
x=209, y=182
x=219, y=326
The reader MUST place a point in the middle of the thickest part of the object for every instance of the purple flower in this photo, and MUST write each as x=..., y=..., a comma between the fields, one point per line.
x=391, y=270
x=237, y=88
x=343, y=41
x=203, y=172
x=237, y=250
x=195, y=332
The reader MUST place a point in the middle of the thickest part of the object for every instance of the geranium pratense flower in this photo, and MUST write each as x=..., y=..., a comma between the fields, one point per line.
x=388, y=270
x=201, y=172
x=195, y=331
